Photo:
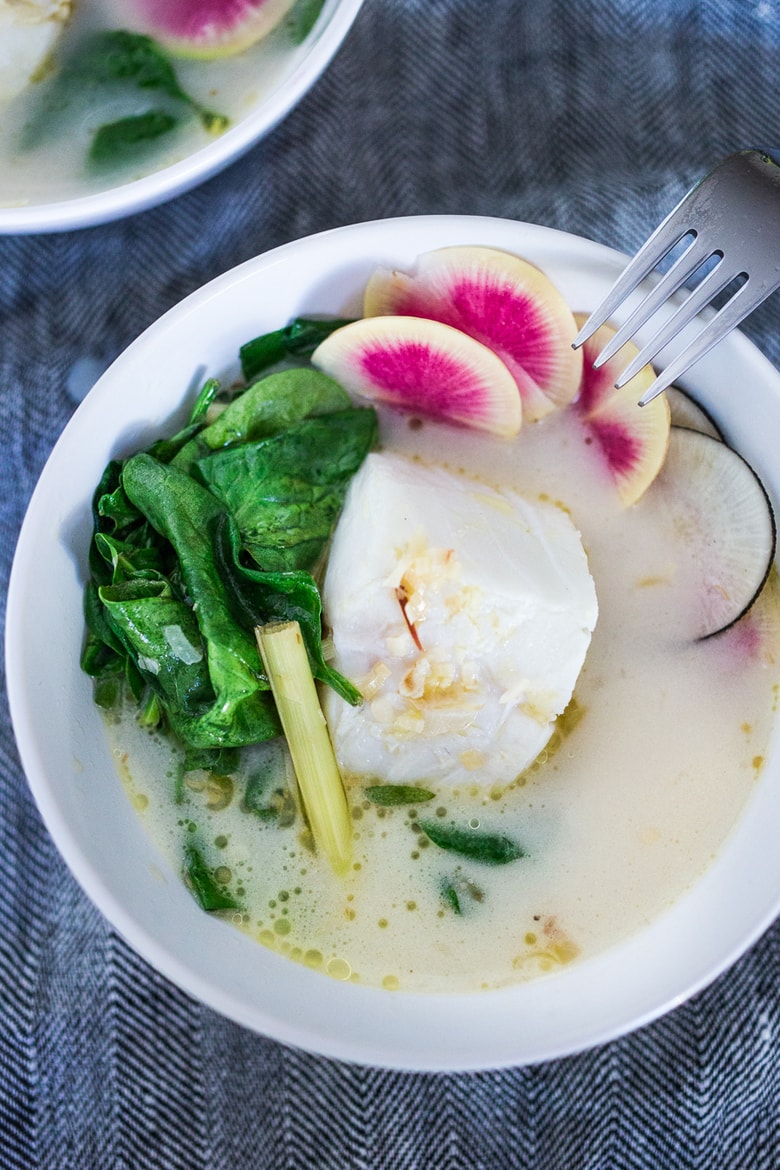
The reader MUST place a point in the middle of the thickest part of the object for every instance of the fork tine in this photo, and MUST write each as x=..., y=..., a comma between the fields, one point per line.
x=697, y=299
x=745, y=299
x=684, y=266
x=668, y=233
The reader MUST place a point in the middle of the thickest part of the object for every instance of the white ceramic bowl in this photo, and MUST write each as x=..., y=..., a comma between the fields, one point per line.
x=303, y=66
x=68, y=762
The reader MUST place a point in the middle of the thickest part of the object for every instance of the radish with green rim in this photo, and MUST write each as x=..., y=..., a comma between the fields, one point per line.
x=206, y=29
x=631, y=440
x=423, y=367
x=723, y=524
x=686, y=412
x=500, y=300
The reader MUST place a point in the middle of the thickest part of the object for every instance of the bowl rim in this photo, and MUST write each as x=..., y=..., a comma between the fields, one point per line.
x=328, y=1032
x=175, y=179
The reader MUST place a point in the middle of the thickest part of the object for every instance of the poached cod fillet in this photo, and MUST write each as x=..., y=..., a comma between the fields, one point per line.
x=463, y=614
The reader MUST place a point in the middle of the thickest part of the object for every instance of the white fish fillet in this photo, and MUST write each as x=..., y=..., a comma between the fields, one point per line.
x=498, y=594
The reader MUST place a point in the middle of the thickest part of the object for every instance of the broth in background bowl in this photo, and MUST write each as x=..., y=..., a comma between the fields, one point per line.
x=683, y=921
x=85, y=142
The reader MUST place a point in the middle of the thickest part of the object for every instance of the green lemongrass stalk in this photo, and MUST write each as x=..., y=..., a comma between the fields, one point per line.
x=322, y=790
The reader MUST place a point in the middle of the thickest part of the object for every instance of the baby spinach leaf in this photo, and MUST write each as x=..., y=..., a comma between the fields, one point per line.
x=392, y=794
x=275, y=402
x=264, y=409
x=285, y=492
x=175, y=596
x=128, y=559
x=162, y=635
x=100, y=634
x=186, y=514
x=210, y=893
x=303, y=18
x=299, y=339
x=114, y=142
x=266, y=794
x=110, y=504
x=208, y=392
x=259, y=598
x=451, y=896
x=487, y=848
x=222, y=761
x=458, y=890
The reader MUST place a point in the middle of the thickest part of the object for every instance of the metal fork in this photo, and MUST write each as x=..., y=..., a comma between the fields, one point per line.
x=733, y=218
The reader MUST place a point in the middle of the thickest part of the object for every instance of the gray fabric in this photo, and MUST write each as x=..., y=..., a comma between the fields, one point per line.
x=592, y=116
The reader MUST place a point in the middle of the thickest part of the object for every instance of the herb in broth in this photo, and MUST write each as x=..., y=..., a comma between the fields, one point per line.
x=183, y=566
x=118, y=139
x=210, y=893
x=389, y=795
x=455, y=889
x=487, y=848
x=450, y=896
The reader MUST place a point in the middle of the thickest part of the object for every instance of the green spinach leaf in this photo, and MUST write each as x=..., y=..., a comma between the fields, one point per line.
x=187, y=515
x=389, y=795
x=285, y=492
x=451, y=896
x=303, y=18
x=161, y=633
x=259, y=598
x=116, y=141
x=488, y=848
x=210, y=893
x=299, y=339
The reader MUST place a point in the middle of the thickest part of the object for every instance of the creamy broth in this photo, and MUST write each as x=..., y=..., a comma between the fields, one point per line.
x=54, y=166
x=642, y=781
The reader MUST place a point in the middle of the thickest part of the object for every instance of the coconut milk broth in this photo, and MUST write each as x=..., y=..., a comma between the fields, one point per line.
x=624, y=810
x=56, y=169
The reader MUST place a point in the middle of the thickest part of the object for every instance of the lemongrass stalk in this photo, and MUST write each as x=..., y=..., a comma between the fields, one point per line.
x=319, y=780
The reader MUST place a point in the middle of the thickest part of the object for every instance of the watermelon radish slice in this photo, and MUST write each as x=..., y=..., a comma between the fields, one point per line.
x=632, y=440
x=500, y=300
x=423, y=367
x=723, y=521
x=206, y=29
x=686, y=412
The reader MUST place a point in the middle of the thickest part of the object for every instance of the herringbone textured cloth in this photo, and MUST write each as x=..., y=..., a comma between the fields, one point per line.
x=588, y=115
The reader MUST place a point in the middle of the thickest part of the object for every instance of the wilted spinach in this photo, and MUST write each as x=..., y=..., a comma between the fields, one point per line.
x=185, y=559
x=299, y=339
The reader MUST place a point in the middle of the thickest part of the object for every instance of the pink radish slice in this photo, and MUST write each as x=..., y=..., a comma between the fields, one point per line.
x=500, y=300
x=208, y=28
x=423, y=367
x=722, y=523
x=755, y=634
x=686, y=412
x=631, y=439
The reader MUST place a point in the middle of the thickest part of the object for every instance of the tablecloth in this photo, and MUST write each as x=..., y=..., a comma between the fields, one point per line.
x=591, y=116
